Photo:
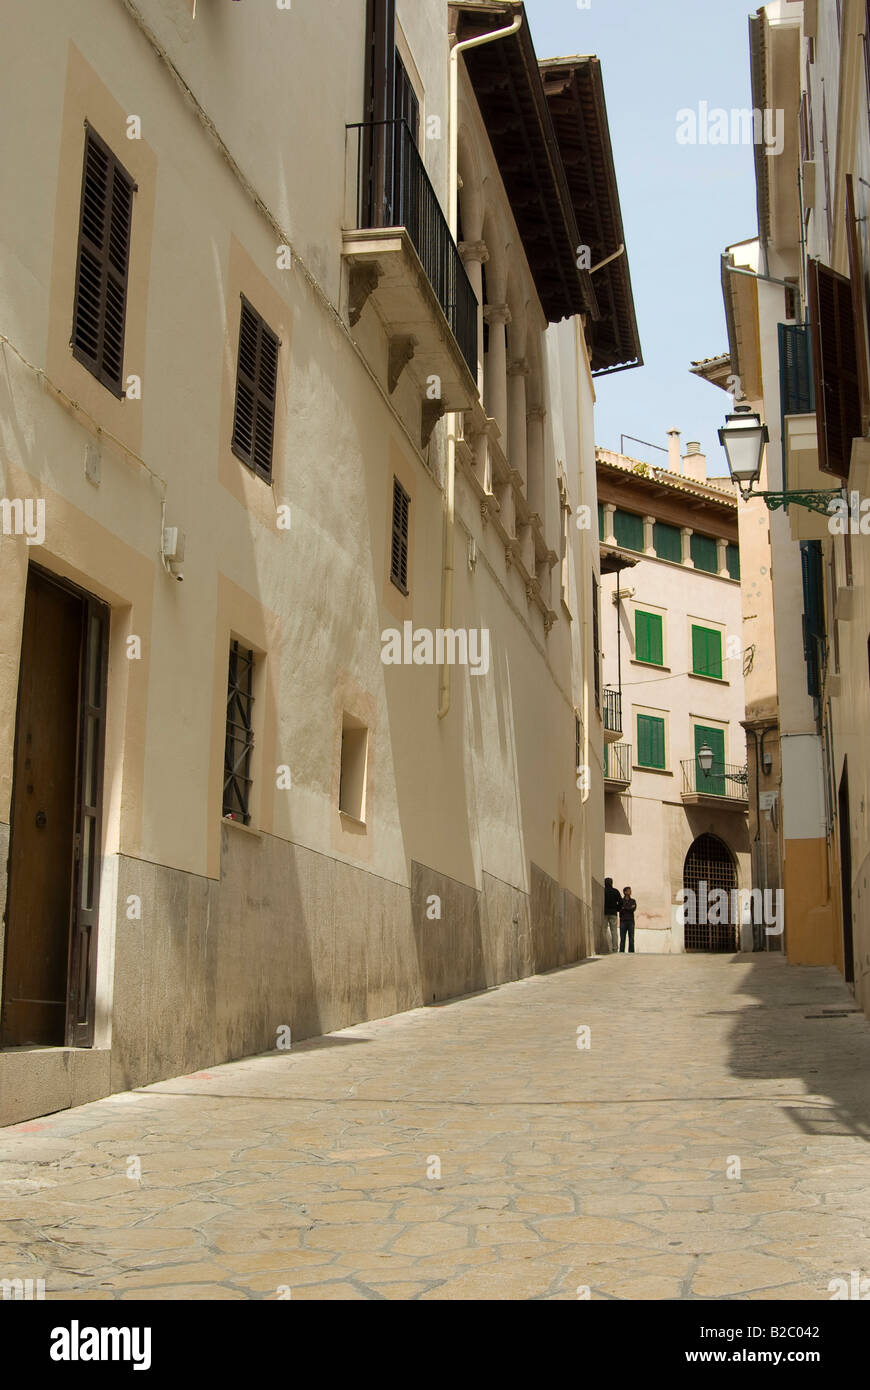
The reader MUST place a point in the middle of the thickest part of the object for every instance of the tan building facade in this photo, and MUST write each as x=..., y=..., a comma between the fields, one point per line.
x=251, y=342
x=673, y=671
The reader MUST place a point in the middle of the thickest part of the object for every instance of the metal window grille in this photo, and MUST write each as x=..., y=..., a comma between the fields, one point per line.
x=99, y=311
x=708, y=867
x=256, y=387
x=240, y=734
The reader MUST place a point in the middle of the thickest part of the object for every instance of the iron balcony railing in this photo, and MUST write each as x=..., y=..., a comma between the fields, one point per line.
x=613, y=711
x=727, y=780
x=393, y=190
x=617, y=762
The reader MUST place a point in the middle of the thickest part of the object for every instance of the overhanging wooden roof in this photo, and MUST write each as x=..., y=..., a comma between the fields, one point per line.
x=507, y=84
x=575, y=95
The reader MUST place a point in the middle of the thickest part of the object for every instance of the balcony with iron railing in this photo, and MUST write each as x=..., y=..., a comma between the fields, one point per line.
x=617, y=766
x=402, y=257
x=725, y=783
x=612, y=711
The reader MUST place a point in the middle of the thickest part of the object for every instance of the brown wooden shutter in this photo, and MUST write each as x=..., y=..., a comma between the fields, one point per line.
x=256, y=387
x=859, y=321
x=838, y=397
x=102, y=268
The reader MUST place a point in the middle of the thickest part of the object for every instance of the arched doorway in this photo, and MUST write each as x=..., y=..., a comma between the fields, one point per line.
x=709, y=866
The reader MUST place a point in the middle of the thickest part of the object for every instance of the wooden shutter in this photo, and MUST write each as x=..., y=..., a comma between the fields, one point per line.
x=102, y=268
x=650, y=741
x=399, y=549
x=838, y=397
x=859, y=321
x=256, y=386
x=668, y=542
x=596, y=642
x=706, y=652
x=648, y=643
x=628, y=530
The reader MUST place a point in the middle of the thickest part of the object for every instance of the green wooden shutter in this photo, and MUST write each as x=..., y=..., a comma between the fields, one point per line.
x=712, y=784
x=668, y=542
x=648, y=642
x=628, y=530
x=650, y=741
x=704, y=553
x=600, y=521
x=732, y=554
x=706, y=652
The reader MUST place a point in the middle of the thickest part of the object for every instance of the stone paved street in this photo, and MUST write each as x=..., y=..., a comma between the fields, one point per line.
x=560, y=1167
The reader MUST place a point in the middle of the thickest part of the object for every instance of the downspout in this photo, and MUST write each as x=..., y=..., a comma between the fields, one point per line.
x=452, y=421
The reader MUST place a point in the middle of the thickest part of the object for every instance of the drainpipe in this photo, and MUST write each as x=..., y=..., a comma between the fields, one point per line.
x=452, y=421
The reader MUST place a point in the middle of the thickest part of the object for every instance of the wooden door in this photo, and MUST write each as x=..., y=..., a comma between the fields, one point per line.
x=55, y=836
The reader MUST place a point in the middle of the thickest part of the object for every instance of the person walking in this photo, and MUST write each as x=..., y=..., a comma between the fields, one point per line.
x=612, y=899
x=627, y=909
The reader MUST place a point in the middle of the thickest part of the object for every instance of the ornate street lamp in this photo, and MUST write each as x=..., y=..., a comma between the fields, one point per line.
x=744, y=438
x=705, y=762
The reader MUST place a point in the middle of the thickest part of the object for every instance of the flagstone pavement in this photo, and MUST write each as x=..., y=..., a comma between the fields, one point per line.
x=711, y=1141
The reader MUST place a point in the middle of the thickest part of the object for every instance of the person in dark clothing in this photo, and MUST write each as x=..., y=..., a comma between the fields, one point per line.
x=612, y=899
x=627, y=909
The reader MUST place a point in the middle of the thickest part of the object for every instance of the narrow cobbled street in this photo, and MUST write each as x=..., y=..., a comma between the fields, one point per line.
x=707, y=1138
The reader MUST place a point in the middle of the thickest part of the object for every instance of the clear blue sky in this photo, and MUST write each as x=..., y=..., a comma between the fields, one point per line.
x=681, y=204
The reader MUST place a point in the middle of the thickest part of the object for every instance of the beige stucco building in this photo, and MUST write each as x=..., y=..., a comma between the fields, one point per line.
x=332, y=774
x=796, y=305
x=673, y=669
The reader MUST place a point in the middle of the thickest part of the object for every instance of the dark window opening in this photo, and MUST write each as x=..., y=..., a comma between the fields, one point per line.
x=399, y=546
x=239, y=735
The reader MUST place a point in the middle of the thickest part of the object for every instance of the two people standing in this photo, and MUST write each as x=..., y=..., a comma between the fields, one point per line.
x=622, y=907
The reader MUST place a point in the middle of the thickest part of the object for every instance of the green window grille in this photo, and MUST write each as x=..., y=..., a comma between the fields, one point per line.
x=648, y=643
x=732, y=560
x=706, y=652
x=704, y=553
x=628, y=530
x=650, y=741
x=668, y=542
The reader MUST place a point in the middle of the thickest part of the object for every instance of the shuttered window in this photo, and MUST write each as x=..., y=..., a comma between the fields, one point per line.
x=835, y=371
x=668, y=542
x=399, y=547
x=859, y=313
x=102, y=267
x=256, y=386
x=600, y=521
x=795, y=370
x=650, y=741
x=648, y=643
x=705, y=555
x=628, y=530
x=596, y=643
x=732, y=560
x=706, y=652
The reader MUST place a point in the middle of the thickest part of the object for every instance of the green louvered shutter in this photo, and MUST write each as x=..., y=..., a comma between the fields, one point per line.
x=732, y=554
x=628, y=530
x=650, y=741
x=648, y=643
x=706, y=652
x=668, y=542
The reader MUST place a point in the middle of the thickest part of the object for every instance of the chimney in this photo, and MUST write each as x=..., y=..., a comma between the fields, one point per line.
x=674, y=464
x=695, y=463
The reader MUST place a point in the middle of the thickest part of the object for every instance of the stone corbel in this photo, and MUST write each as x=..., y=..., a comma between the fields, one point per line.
x=511, y=549
x=473, y=251
x=363, y=277
x=432, y=413
x=401, y=352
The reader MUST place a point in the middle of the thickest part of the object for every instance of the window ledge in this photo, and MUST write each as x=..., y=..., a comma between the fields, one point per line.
x=660, y=771
x=716, y=680
x=649, y=665
x=240, y=825
x=354, y=821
